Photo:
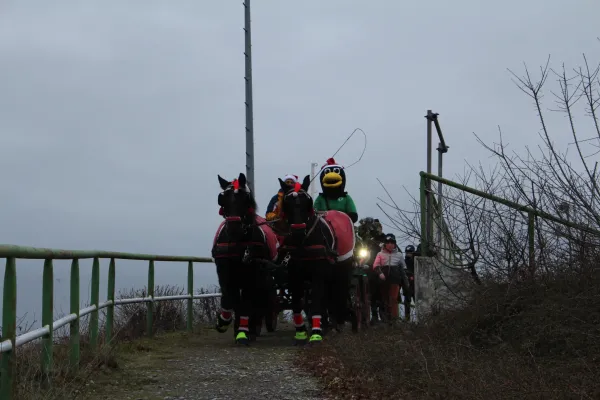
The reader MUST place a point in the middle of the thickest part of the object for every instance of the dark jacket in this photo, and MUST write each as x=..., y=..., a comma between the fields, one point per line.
x=273, y=202
x=410, y=263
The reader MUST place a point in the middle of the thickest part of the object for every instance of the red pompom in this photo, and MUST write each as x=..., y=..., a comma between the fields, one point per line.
x=297, y=187
x=236, y=184
x=221, y=211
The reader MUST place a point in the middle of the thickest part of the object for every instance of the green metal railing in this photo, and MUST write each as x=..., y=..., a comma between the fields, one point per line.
x=427, y=229
x=9, y=305
x=449, y=250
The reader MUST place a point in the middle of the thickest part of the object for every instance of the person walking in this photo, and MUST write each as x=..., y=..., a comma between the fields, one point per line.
x=391, y=269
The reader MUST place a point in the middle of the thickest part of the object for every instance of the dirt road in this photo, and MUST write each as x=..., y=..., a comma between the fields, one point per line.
x=206, y=365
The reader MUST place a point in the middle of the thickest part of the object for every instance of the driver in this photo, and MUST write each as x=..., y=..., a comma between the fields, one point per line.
x=274, y=206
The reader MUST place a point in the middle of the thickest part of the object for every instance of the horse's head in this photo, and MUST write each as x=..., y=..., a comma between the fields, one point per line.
x=237, y=204
x=297, y=206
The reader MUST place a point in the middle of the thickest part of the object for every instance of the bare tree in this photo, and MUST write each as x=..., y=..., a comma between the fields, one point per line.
x=491, y=238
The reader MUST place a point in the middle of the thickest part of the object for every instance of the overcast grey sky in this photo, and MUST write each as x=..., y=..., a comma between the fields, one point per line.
x=117, y=116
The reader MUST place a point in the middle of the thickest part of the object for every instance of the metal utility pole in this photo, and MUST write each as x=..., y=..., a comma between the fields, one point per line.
x=429, y=231
x=249, y=108
x=313, y=185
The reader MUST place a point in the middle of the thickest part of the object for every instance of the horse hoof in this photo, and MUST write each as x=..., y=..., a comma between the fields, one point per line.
x=300, y=342
x=242, y=339
x=300, y=338
x=315, y=339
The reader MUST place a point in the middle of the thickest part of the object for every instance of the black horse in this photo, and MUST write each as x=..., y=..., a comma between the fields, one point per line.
x=241, y=241
x=310, y=251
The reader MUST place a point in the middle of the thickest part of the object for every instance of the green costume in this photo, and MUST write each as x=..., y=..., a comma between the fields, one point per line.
x=344, y=204
x=333, y=197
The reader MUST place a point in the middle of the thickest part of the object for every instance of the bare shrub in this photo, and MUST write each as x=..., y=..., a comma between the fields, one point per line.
x=205, y=309
x=129, y=324
x=170, y=315
x=489, y=238
x=534, y=340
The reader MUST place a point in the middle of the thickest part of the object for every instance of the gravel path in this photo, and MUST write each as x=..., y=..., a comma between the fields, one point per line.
x=206, y=366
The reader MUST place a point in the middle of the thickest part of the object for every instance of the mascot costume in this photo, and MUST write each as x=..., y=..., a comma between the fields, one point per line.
x=333, y=197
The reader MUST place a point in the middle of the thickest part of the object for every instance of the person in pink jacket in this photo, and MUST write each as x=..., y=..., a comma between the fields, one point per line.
x=392, y=273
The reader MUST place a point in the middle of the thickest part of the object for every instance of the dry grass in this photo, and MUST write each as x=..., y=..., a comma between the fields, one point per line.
x=527, y=341
x=129, y=324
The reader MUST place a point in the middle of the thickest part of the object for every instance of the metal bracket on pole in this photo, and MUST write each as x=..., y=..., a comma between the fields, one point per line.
x=313, y=184
x=432, y=119
x=429, y=220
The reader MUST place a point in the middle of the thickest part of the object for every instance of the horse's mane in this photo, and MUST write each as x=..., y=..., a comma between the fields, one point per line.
x=252, y=201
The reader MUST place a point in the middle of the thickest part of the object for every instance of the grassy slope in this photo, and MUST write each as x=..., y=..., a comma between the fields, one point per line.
x=538, y=341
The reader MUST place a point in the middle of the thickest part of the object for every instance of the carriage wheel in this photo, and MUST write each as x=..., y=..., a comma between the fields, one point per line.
x=255, y=323
x=236, y=325
x=271, y=321
x=366, y=302
x=357, y=306
x=354, y=320
x=352, y=310
x=306, y=305
x=272, y=313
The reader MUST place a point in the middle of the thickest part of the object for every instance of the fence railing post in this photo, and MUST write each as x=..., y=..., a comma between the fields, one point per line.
x=74, y=326
x=531, y=238
x=47, y=320
x=110, y=296
x=190, y=302
x=94, y=300
x=9, y=329
x=150, y=304
x=424, y=230
x=8, y=362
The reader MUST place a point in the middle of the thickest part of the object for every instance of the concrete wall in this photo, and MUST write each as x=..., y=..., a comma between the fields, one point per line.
x=438, y=286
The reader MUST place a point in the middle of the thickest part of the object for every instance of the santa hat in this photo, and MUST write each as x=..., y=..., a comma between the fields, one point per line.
x=331, y=163
x=291, y=177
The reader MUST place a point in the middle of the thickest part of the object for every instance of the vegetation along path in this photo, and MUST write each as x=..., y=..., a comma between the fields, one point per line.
x=205, y=365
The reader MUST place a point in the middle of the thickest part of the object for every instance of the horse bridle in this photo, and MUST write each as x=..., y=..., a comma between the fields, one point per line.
x=235, y=186
x=295, y=192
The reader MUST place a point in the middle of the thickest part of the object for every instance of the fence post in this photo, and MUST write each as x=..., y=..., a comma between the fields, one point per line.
x=94, y=300
x=190, y=302
x=424, y=233
x=440, y=209
x=74, y=326
x=531, y=237
x=47, y=320
x=9, y=328
x=110, y=296
x=150, y=304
